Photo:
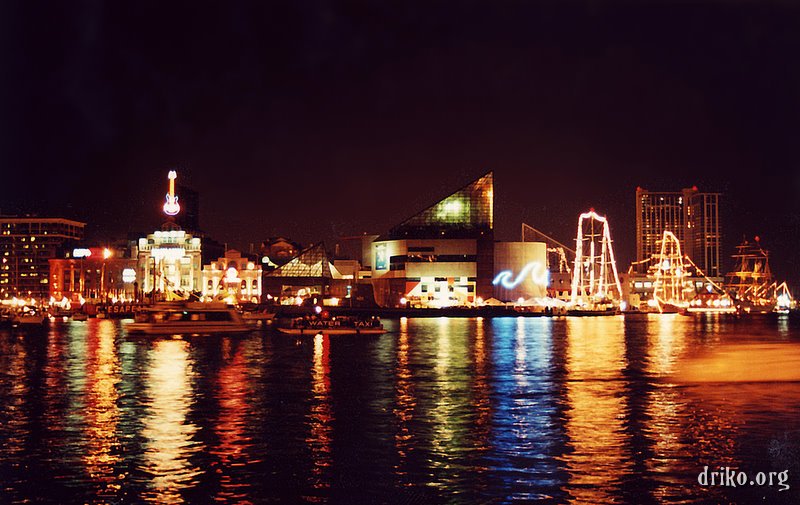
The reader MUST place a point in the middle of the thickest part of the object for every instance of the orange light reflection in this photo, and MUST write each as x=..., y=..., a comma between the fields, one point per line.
x=594, y=391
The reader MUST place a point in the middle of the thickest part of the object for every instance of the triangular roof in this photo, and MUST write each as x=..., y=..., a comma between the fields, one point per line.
x=310, y=262
x=469, y=208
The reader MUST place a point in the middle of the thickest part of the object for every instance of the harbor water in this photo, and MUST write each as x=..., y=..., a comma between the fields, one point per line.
x=442, y=410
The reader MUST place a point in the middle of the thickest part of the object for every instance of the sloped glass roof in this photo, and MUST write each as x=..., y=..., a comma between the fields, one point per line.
x=471, y=208
x=311, y=262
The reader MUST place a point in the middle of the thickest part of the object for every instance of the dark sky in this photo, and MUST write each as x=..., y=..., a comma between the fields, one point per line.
x=314, y=120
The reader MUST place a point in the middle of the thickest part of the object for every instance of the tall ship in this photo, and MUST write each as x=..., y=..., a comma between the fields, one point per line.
x=751, y=284
x=680, y=286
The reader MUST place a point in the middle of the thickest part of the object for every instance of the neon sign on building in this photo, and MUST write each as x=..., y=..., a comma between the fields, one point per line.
x=537, y=272
x=171, y=206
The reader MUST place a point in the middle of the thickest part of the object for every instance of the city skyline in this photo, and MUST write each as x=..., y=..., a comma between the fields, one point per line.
x=314, y=123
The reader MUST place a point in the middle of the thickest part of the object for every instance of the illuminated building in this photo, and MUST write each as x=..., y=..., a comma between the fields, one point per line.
x=26, y=246
x=307, y=276
x=93, y=274
x=232, y=278
x=692, y=216
x=442, y=256
x=169, y=260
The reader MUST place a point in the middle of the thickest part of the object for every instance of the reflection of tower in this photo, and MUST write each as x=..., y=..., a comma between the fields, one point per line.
x=168, y=433
x=595, y=422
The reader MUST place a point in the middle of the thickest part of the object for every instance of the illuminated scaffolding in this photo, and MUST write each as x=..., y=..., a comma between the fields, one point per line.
x=594, y=277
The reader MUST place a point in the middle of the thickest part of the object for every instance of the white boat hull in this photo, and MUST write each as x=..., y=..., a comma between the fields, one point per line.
x=184, y=328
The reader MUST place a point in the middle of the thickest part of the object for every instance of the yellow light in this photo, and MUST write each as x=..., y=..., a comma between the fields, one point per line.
x=231, y=275
x=107, y=253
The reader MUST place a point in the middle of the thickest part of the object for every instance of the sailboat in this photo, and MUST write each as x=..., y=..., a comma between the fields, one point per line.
x=751, y=284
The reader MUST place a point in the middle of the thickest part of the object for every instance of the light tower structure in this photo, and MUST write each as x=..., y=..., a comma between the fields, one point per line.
x=594, y=277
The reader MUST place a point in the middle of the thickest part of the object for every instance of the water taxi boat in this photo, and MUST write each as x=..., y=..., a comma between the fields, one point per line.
x=340, y=325
x=169, y=318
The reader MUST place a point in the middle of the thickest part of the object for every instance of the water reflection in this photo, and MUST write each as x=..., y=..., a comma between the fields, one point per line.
x=233, y=392
x=588, y=410
x=594, y=418
x=101, y=413
x=481, y=391
x=169, y=437
x=321, y=416
x=526, y=436
x=405, y=402
x=14, y=419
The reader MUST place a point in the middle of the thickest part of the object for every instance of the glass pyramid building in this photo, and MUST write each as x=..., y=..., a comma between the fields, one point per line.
x=311, y=262
x=466, y=212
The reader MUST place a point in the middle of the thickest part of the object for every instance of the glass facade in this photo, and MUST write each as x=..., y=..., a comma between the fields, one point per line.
x=313, y=262
x=470, y=209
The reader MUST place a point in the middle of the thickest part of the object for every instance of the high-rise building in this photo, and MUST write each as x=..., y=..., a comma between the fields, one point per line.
x=26, y=246
x=691, y=215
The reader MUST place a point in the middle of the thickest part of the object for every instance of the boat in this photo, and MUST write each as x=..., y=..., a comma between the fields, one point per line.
x=257, y=316
x=169, y=318
x=79, y=316
x=587, y=312
x=30, y=316
x=751, y=284
x=337, y=325
x=6, y=317
x=711, y=303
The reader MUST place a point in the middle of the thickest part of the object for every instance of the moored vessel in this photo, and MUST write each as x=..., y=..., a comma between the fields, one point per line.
x=30, y=316
x=337, y=325
x=167, y=318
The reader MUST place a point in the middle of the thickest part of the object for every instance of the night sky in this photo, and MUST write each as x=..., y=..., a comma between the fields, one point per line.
x=314, y=120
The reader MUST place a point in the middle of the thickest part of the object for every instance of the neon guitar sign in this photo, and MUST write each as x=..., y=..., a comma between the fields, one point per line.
x=172, y=207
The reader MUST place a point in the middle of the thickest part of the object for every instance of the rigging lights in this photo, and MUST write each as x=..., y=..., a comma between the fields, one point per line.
x=592, y=279
x=671, y=286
